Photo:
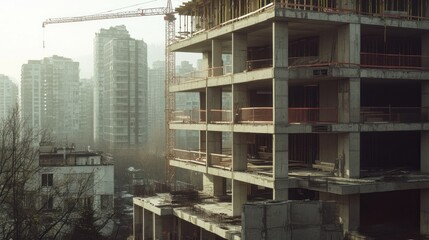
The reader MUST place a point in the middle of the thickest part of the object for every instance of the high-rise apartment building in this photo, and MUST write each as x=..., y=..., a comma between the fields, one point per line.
x=101, y=38
x=124, y=101
x=50, y=96
x=86, y=122
x=329, y=101
x=156, y=106
x=8, y=95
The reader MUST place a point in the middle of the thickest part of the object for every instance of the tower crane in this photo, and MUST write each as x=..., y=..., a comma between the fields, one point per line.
x=170, y=60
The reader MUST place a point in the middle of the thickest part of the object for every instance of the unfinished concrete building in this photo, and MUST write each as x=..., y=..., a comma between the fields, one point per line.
x=329, y=101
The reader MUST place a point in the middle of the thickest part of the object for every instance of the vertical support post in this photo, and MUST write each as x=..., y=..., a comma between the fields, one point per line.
x=349, y=154
x=425, y=49
x=147, y=224
x=239, y=197
x=239, y=152
x=217, y=58
x=280, y=107
x=138, y=222
x=206, y=64
x=424, y=212
x=349, y=41
x=239, y=52
x=349, y=92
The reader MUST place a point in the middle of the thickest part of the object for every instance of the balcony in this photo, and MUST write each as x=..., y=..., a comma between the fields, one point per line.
x=193, y=156
x=220, y=116
x=393, y=61
x=189, y=116
x=394, y=114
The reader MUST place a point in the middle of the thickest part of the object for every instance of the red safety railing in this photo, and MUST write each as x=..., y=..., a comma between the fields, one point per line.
x=400, y=61
x=189, y=116
x=195, y=156
x=394, y=114
x=220, y=116
x=255, y=115
x=313, y=115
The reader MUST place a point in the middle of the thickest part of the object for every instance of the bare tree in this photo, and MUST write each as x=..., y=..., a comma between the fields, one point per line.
x=27, y=210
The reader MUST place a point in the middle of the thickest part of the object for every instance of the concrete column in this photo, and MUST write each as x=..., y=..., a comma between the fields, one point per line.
x=280, y=164
x=213, y=101
x=239, y=152
x=217, y=58
x=280, y=44
x=157, y=227
x=206, y=63
x=214, y=185
x=281, y=73
x=349, y=209
x=179, y=229
x=138, y=222
x=328, y=101
x=424, y=212
x=350, y=212
x=424, y=151
x=348, y=48
x=349, y=154
x=214, y=145
x=239, y=52
x=239, y=197
x=147, y=224
x=349, y=100
x=240, y=99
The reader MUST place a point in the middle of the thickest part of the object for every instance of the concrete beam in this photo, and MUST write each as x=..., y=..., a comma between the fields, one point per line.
x=239, y=52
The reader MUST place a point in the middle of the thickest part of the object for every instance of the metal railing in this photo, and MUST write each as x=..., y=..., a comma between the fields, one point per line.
x=400, y=61
x=220, y=116
x=313, y=114
x=394, y=114
x=189, y=116
x=255, y=115
x=195, y=156
x=258, y=64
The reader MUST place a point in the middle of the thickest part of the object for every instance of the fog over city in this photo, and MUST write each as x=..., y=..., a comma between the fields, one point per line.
x=21, y=22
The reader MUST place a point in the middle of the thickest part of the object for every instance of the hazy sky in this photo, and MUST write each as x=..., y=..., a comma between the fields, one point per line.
x=22, y=35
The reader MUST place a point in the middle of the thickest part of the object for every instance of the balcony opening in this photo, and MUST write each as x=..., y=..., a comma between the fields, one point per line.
x=380, y=101
x=303, y=150
x=260, y=154
x=393, y=50
x=390, y=215
x=389, y=153
x=400, y=9
x=222, y=155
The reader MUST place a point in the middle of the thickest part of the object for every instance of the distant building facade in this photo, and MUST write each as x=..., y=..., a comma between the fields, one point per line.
x=50, y=96
x=121, y=89
x=156, y=106
x=8, y=95
x=86, y=102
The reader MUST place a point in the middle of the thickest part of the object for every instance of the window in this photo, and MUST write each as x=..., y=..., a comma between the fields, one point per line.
x=47, y=180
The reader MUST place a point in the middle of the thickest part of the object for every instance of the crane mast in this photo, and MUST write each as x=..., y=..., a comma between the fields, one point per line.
x=170, y=62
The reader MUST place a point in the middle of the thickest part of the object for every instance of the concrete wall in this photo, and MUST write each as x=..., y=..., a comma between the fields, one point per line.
x=291, y=220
